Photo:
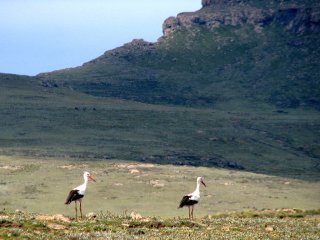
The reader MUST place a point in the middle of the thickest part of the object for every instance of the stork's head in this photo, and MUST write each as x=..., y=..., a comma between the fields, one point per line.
x=200, y=180
x=88, y=176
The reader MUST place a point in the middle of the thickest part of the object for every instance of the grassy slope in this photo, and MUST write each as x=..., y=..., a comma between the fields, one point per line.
x=224, y=68
x=251, y=98
x=58, y=122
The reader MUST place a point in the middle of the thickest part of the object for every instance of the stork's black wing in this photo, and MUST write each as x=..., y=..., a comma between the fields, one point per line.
x=184, y=201
x=73, y=196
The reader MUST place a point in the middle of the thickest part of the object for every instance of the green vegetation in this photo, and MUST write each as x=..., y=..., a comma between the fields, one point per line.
x=224, y=68
x=108, y=226
x=58, y=122
x=238, y=105
x=43, y=184
x=242, y=97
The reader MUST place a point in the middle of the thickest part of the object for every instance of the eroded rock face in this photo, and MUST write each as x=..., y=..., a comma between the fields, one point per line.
x=239, y=12
x=206, y=3
x=170, y=25
x=299, y=20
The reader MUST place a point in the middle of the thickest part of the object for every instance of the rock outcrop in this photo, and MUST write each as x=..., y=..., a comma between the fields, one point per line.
x=206, y=3
x=216, y=13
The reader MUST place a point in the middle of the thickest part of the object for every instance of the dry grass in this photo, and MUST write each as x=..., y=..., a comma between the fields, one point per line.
x=256, y=225
x=41, y=185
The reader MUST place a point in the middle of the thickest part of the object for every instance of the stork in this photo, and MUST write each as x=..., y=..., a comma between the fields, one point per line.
x=77, y=193
x=192, y=198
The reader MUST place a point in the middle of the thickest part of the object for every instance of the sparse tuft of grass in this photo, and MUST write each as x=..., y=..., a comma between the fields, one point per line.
x=233, y=225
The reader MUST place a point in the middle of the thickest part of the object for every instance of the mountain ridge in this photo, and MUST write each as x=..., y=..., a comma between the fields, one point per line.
x=295, y=18
x=171, y=70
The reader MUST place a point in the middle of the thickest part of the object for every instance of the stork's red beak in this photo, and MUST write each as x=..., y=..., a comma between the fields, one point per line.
x=90, y=177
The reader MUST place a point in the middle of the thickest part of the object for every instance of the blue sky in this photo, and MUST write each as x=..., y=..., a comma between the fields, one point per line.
x=44, y=35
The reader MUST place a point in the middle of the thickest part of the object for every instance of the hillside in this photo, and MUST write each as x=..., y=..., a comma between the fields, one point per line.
x=43, y=122
x=233, y=85
x=227, y=53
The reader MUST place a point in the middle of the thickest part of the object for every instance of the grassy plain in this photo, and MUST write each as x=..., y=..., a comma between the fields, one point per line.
x=41, y=186
x=243, y=225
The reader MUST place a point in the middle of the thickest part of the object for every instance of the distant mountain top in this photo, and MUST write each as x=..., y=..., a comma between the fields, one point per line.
x=261, y=3
x=226, y=53
x=295, y=16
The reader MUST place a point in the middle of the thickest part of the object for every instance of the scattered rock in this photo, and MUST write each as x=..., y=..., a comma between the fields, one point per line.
x=135, y=216
x=118, y=184
x=228, y=183
x=69, y=167
x=269, y=228
x=131, y=166
x=57, y=217
x=156, y=184
x=288, y=210
x=91, y=215
x=142, y=165
x=11, y=168
x=134, y=171
x=122, y=165
x=146, y=165
x=56, y=226
x=60, y=217
x=226, y=228
x=49, y=84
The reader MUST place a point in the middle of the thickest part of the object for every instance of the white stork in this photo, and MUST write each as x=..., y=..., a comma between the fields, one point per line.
x=192, y=198
x=77, y=193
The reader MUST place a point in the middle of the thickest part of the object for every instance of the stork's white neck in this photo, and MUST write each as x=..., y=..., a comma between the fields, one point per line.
x=85, y=180
x=196, y=194
x=197, y=188
x=82, y=187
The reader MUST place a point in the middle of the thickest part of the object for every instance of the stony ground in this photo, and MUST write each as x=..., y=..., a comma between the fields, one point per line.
x=267, y=224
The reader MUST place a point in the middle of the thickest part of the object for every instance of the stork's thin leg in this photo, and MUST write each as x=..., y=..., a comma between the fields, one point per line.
x=192, y=211
x=189, y=211
x=80, y=207
x=75, y=205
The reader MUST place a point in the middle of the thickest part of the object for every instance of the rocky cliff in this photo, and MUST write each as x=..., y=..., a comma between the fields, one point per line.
x=295, y=17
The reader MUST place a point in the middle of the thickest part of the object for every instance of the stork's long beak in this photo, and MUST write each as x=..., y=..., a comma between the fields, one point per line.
x=90, y=177
x=203, y=183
